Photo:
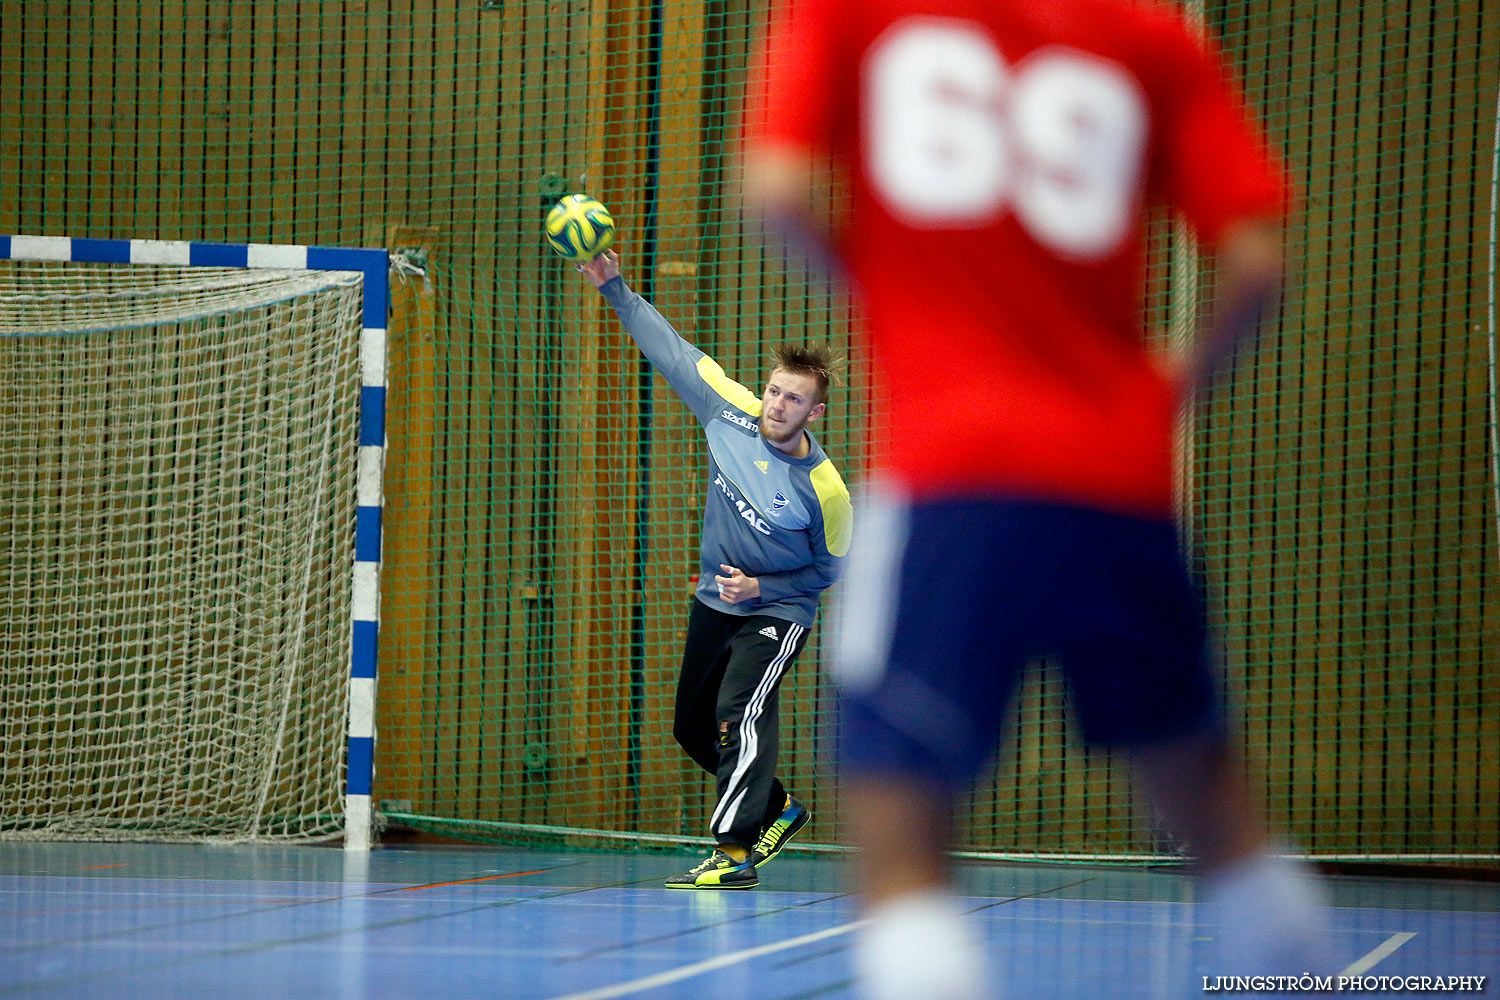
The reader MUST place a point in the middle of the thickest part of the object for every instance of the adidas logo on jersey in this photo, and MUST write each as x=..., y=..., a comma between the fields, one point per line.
x=764, y=467
x=770, y=632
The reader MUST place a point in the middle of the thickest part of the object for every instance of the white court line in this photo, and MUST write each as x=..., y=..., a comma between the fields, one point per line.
x=1369, y=961
x=698, y=968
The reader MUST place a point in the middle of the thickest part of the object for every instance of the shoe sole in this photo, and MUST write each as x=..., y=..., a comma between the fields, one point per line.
x=718, y=885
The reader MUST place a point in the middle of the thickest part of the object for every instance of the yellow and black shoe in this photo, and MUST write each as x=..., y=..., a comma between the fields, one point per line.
x=718, y=871
x=792, y=819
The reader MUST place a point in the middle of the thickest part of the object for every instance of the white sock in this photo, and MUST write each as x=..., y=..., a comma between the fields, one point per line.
x=919, y=946
x=1267, y=918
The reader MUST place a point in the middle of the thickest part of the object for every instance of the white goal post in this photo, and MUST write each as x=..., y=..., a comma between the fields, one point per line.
x=192, y=445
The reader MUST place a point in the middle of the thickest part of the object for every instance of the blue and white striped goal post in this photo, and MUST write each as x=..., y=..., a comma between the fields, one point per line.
x=374, y=265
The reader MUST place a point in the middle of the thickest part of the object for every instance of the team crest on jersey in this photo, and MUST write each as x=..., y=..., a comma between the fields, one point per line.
x=763, y=466
x=778, y=501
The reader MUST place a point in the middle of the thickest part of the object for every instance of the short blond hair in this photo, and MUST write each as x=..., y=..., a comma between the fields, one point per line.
x=819, y=360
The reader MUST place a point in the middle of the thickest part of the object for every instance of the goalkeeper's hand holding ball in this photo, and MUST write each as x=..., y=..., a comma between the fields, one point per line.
x=601, y=269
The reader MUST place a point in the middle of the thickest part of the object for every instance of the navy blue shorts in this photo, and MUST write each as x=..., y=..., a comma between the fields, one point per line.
x=946, y=602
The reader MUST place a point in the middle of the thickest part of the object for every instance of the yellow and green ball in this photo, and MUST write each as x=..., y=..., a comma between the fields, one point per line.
x=579, y=228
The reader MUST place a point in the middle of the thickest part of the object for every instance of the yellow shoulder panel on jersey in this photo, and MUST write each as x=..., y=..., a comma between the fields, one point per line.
x=732, y=392
x=838, y=514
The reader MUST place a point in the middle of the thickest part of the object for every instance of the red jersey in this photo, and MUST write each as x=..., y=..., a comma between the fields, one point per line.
x=1002, y=155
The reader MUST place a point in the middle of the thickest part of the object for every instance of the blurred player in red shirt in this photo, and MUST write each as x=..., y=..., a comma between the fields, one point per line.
x=1002, y=157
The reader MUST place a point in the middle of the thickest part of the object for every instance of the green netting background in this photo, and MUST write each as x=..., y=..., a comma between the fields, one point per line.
x=544, y=488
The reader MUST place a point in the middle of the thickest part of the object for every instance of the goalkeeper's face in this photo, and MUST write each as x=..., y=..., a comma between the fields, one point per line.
x=788, y=404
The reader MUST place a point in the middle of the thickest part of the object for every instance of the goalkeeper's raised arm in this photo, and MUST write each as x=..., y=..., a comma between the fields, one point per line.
x=694, y=376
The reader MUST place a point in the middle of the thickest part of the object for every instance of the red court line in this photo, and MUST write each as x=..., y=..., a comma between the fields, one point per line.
x=466, y=881
x=92, y=868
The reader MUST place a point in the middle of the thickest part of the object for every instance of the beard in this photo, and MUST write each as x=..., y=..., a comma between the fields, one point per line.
x=781, y=437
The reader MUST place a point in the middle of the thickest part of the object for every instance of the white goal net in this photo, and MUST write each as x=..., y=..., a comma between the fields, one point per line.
x=177, y=513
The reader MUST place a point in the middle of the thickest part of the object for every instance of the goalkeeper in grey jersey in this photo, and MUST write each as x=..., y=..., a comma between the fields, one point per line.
x=776, y=526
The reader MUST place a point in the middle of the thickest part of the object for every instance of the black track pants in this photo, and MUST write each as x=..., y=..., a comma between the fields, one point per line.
x=728, y=713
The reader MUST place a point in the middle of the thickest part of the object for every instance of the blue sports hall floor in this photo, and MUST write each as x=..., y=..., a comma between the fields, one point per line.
x=451, y=922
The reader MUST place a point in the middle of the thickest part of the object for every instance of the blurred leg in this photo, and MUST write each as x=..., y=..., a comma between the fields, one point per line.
x=918, y=943
x=1266, y=912
x=1198, y=785
x=901, y=828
